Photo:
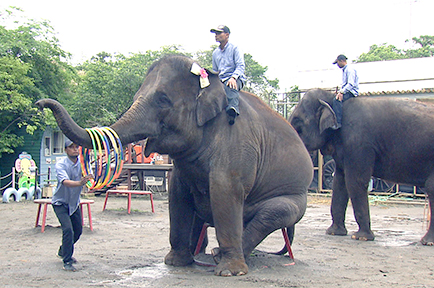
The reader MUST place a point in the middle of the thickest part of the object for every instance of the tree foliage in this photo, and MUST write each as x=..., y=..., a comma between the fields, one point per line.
x=32, y=66
x=107, y=83
x=390, y=52
x=257, y=82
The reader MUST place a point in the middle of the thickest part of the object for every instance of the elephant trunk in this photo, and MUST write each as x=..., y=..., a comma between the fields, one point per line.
x=74, y=132
x=126, y=127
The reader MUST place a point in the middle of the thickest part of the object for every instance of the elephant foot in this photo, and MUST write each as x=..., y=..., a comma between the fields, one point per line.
x=363, y=236
x=179, y=258
x=231, y=267
x=337, y=230
x=428, y=239
x=228, y=267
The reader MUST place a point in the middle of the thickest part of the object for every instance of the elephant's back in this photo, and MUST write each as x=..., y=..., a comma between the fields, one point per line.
x=284, y=159
x=379, y=111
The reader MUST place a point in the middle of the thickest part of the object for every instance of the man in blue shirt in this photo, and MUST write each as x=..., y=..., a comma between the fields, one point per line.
x=66, y=200
x=228, y=61
x=349, y=87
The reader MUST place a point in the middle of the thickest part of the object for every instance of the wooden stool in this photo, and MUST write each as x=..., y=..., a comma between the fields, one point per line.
x=46, y=202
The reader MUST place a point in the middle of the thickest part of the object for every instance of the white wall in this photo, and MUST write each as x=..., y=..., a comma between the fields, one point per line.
x=407, y=74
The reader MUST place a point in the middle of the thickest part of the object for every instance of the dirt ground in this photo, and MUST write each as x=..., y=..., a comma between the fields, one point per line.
x=128, y=250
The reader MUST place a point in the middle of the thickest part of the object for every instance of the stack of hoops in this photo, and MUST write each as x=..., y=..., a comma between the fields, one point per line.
x=107, y=148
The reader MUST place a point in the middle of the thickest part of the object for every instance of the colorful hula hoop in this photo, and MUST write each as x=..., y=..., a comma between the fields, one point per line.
x=107, y=151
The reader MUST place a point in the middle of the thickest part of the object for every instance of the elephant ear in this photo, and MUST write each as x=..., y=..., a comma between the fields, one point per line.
x=211, y=100
x=327, y=116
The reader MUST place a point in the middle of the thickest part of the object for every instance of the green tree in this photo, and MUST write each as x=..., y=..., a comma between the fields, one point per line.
x=32, y=66
x=426, y=50
x=14, y=83
x=380, y=53
x=107, y=83
x=389, y=52
x=204, y=57
x=257, y=82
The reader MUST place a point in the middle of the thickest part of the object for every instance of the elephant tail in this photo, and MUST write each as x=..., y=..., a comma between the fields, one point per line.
x=281, y=252
x=290, y=231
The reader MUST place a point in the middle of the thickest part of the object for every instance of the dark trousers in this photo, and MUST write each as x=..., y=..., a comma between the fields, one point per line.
x=71, y=229
x=337, y=106
x=233, y=95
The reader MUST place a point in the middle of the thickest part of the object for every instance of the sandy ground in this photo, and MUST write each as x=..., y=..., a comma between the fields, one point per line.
x=128, y=251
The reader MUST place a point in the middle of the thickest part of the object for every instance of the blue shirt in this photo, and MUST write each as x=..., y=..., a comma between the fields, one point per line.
x=229, y=62
x=66, y=170
x=350, y=81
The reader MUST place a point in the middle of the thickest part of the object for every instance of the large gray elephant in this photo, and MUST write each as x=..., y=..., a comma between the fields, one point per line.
x=247, y=180
x=387, y=138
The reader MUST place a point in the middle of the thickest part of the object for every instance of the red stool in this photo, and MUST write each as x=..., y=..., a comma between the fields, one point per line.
x=206, y=225
x=129, y=192
x=46, y=202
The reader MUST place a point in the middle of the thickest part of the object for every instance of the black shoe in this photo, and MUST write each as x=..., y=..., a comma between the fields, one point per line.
x=231, y=120
x=232, y=114
x=69, y=267
x=59, y=254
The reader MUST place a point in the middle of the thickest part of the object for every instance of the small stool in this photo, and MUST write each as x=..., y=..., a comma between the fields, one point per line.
x=46, y=202
x=206, y=225
x=129, y=192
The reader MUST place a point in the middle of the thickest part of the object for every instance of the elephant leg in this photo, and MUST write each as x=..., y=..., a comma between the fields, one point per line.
x=339, y=205
x=357, y=180
x=270, y=215
x=428, y=238
x=181, y=214
x=227, y=212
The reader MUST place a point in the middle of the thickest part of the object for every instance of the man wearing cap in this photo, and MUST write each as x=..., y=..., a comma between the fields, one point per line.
x=349, y=88
x=228, y=61
x=66, y=200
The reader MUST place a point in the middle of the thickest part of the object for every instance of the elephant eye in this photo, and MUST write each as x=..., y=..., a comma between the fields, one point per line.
x=163, y=101
x=296, y=123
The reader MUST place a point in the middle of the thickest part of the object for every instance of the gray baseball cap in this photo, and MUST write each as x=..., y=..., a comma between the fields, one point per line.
x=68, y=142
x=340, y=58
x=221, y=28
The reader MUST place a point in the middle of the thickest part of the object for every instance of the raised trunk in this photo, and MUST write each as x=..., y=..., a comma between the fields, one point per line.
x=126, y=127
x=74, y=132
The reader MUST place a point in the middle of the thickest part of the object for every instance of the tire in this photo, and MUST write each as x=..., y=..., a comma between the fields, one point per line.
x=9, y=193
x=23, y=192
x=328, y=174
x=37, y=195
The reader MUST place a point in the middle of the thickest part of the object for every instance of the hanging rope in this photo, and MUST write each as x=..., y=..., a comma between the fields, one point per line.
x=107, y=148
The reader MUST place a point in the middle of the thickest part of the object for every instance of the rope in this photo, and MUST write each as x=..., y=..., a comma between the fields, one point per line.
x=6, y=186
x=4, y=177
x=106, y=146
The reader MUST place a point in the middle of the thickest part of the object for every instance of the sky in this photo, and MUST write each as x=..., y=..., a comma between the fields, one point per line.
x=287, y=36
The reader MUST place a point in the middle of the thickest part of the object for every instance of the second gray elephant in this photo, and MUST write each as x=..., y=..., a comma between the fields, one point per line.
x=391, y=139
